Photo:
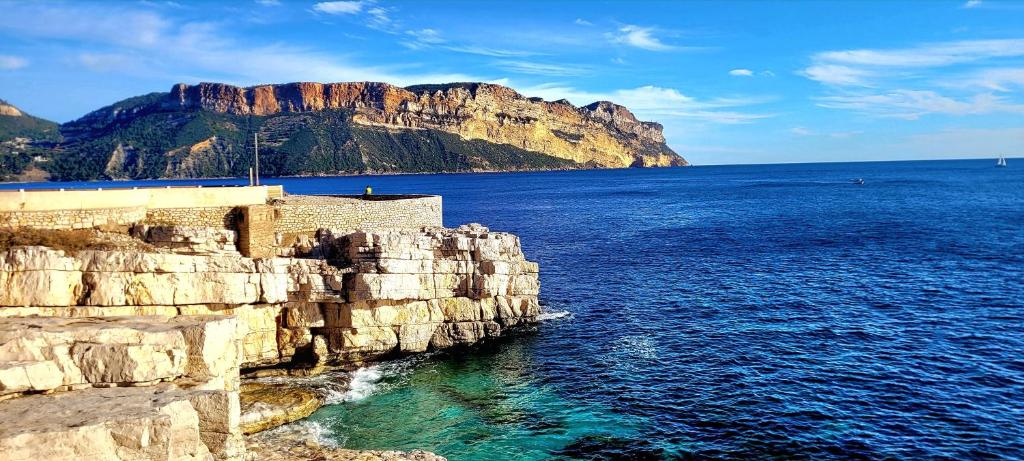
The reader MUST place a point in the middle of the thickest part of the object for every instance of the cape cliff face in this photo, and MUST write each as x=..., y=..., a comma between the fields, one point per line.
x=603, y=133
x=207, y=130
x=9, y=110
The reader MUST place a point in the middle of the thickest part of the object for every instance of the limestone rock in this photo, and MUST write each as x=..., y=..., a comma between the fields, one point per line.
x=384, y=291
x=45, y=354
x=154, y=423
x=189, y=240
x=279, y=449
x=265, y=406
x=602, y=133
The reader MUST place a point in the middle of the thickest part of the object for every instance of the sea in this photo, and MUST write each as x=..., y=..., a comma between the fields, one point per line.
x=722, y=312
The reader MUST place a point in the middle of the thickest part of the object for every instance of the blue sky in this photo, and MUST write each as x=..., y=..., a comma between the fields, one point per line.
x=733, y=82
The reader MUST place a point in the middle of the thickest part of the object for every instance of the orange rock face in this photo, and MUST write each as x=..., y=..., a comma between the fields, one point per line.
x=601, y=134
x=7, y=109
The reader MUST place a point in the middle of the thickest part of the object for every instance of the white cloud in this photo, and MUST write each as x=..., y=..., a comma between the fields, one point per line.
x=963, y=143
x=423, y=38
x=806, y=132
x=430, y=36
x=972, y=4
x=639, y=37
x=582, y=22
x=269, y=2
x=339, y=7
x=656, y=103
x=115, y=26
x=834, y=74
x=536, y=68
x=380, y=19
x=493, y=52
x=741, y=73
x=928, y=55
x=865, y=67
x=993, y=79
x=906, y=82
x=151, y=45
x=8, y=62
x=106, y=62
x=912, y=104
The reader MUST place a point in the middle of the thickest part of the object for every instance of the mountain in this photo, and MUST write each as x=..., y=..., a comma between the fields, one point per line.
x=24, y=141
x=361, y=127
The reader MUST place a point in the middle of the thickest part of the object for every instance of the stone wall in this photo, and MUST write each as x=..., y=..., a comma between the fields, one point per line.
x=150, y=197
x=72, y=219
x=308, y=213
x=256, y=231
x=221, y=217
x=294, y=214
x=78, y=209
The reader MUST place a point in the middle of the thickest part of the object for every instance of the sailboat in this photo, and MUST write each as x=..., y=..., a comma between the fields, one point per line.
x=1001, y=162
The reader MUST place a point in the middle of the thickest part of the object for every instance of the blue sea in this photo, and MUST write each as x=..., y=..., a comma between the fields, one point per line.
x=755, y=312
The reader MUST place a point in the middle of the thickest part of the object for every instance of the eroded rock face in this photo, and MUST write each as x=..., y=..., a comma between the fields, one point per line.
x=602, y=134
x=189, y=240
x=391, y=291
x=57, y=353
x=136, y=387
x=139, y=353
x=411, y=291
x=9, y=110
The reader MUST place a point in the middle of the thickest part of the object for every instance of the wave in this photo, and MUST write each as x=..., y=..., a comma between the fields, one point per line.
x=543, y=316
x=363, y=383
x=306, y=432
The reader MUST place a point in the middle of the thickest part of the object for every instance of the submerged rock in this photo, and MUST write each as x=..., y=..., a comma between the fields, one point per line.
x=278, y=450
x=266, y=406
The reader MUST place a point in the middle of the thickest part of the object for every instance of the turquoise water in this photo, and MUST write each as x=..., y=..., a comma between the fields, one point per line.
x=475, y=405
x=735, y=312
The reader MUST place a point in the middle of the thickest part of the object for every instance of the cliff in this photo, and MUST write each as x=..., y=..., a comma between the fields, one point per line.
x=360, y=127
x=9, y=110
x=602, y=134
x=131, y=354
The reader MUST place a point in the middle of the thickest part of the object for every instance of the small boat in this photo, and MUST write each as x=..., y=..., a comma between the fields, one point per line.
x=858, y=181
x=1001, y=162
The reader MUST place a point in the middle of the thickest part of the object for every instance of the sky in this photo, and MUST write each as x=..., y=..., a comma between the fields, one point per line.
x=732, y=82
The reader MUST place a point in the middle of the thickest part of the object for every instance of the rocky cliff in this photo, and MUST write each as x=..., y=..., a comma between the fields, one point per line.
x=361, y=127
x=136, y=354
x=9, y=110
x=602, y=134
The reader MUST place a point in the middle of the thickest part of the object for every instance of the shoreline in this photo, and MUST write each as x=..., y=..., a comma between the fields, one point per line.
x=344, y=175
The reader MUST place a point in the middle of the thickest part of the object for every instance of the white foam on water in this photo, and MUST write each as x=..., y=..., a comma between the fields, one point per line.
x=637, y=347
x=306, y=432
x=553, y=315
x=362, y=384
